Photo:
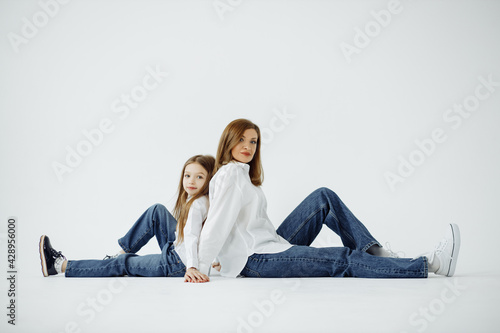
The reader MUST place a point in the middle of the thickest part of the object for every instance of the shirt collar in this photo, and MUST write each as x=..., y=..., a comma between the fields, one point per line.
x=244, y=166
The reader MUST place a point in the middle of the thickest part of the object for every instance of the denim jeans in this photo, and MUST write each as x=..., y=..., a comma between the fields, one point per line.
x=156, y=221
x=302, y=226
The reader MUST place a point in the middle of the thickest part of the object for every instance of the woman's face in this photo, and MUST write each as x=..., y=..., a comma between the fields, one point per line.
x=245, y=149
x=194, y=178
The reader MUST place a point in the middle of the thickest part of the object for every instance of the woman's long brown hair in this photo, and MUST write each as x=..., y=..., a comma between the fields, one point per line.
x=230, y=138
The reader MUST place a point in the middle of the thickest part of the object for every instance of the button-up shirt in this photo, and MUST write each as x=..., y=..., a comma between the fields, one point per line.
x=237, y=224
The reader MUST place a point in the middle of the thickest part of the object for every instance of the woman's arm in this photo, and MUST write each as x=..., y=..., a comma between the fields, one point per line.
x=226, y=200
x=216, y=265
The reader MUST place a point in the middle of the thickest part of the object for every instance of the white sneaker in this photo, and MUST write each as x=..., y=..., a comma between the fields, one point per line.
x=107, y=257
x=446, y=252
x=391, y=253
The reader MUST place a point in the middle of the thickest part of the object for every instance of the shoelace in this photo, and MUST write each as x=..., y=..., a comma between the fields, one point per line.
x=59, y=260
x=438, y=249
x=56, y=254
x=107, y=257
x=399, y=254
x=441, y=246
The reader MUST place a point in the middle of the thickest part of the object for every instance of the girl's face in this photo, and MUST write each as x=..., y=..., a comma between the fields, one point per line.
x=245, y=149
x=194, y=178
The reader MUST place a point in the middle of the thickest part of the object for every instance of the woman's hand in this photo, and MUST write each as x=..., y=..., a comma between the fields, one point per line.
x=195, y=276
x=217, y=266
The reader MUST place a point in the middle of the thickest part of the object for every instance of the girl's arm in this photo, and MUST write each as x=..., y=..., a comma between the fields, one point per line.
x=192, y=229
x=194, y=222
x=226, y=200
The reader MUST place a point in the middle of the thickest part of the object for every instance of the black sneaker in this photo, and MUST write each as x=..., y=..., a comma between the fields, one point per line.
x=51, y=259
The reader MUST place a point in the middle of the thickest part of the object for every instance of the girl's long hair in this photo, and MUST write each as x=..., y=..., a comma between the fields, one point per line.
x=230, y=138
x=182, y=206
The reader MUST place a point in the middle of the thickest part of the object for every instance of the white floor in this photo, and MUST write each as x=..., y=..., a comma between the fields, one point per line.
x=464, y=303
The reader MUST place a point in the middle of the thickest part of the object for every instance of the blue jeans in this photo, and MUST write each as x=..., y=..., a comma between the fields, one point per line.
x=302, y=226
x=156, y=221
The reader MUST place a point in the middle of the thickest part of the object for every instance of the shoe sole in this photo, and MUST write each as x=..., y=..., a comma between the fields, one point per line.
x=456, y=249
x=42, y=257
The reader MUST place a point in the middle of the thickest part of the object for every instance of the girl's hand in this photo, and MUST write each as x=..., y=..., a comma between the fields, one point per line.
x=217, y=266
x=194, y=276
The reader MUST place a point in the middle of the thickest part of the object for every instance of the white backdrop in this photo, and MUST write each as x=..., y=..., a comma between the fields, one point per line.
x=343, y=91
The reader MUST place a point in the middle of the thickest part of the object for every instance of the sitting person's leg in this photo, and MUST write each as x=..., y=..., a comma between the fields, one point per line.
x=305, y=261
x=167, y=263
x=130, y=264
x=321, y=207
x=155, y=221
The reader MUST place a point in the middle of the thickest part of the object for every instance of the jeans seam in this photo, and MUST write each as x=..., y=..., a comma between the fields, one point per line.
x=177, y=271
x=342, y=231
x=293, y=259
x=345, y=265
x=124, y=248
x=367, y=246
x=145, y=268
x=305, y=222
x=165, y=236
x=162, y=266
x=251, y=270
x=392, y=271
x=93, y=268
x=141, y=237
x=177, y=257
x=148, y=230
x=179, y=261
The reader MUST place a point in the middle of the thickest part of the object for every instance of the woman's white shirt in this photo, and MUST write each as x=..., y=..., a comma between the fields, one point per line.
x=188, y=249
x=237, y=224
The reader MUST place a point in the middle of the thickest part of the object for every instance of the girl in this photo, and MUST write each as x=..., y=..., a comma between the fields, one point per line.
x=177, y=237
x=239, y=233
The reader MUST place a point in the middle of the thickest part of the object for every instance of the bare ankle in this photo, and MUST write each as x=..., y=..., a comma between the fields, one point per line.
x=63, y=267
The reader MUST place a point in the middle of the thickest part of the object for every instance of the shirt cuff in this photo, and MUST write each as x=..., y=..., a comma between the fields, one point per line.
x=192, y=263
x=204, y=268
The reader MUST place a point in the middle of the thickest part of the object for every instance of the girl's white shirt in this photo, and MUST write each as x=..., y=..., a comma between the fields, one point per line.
x=188, y=249
x=237, y=224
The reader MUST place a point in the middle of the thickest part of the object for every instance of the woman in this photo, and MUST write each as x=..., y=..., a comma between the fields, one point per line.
x=239, y=232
